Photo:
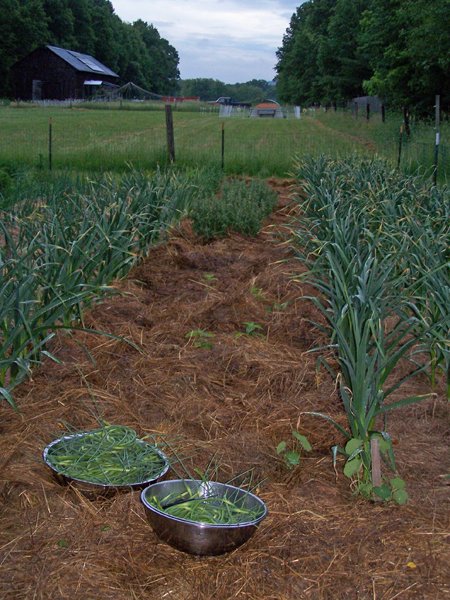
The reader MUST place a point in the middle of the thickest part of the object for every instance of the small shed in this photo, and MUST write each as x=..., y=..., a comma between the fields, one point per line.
x=268, y=108
x=52, y=73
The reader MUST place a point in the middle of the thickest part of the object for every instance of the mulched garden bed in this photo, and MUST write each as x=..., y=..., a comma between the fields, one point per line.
x=236, y=400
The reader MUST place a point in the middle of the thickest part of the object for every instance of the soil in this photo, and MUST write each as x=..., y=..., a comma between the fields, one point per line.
x=231, y=404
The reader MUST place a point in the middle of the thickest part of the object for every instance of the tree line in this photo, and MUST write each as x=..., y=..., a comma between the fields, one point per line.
x=135, y=51
x=399, y=50
x=207, y=89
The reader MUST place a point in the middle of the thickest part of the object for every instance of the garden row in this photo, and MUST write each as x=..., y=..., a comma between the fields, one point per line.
x=63, y=244
x=376, y=245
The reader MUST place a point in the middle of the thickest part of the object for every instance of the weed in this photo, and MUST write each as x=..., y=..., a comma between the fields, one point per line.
x=210, y=277
x=200, y=338
x=292, y=453
x=241, y=207
x=257, y=293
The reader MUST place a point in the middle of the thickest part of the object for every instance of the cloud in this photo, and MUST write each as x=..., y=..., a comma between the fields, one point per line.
x=224, y=39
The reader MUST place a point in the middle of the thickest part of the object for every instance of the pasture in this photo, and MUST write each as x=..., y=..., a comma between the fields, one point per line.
x=99, y=138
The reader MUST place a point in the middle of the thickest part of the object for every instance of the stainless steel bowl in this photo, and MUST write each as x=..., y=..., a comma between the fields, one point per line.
x=99, y=489
x=194, y=537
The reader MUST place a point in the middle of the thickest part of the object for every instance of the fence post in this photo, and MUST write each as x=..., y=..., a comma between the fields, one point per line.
x=383, y=113
x=50, y=144
x=368, y=111
x=223, y=147
x=437, y=117
x=170, y=136
x=400, y=141
x=406, y=120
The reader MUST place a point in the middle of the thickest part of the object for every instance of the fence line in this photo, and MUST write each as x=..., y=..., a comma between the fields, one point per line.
x=98, y=140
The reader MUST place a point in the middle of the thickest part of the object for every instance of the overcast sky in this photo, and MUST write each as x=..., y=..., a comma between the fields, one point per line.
x=230, y=40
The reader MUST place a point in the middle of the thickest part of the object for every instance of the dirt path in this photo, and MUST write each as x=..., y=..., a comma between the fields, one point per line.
x=238, y=399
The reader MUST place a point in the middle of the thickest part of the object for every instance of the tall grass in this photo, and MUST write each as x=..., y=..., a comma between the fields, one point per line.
x=417, y=149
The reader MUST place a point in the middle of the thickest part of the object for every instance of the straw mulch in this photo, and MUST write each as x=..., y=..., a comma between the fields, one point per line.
x=236, y=400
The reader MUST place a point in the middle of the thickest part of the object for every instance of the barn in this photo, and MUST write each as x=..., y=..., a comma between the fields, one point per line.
x=52, y=73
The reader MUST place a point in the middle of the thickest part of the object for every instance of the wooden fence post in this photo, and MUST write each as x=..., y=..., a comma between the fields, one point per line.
x=50, y=144
x=400, y=142
x=170, y=135
x=406, y=120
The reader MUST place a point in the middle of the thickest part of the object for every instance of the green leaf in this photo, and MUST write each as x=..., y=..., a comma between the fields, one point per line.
x=303, y=440
x=404, y=402
x=397, y=483
x=352, y=445
x=351, y=467
x=330, y=420
x=365, y=489
x=7, y=396
x=383, y=491
x=281, y=447
x=384, y=444
x=400, y=496
x=292, y=458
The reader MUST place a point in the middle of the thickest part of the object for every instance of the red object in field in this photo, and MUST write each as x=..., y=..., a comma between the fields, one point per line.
x=173, y=99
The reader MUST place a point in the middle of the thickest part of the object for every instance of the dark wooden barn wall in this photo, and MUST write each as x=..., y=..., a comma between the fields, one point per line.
x=60, y=81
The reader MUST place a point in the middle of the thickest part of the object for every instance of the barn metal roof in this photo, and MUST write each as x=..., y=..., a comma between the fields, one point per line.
x=82, y=62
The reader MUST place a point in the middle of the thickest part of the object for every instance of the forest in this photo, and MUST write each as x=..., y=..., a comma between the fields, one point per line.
x=334, y=50
x=208, y=89
x=135, y=51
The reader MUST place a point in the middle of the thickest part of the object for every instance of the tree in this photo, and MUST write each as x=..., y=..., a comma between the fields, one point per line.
x=341, y=65
x=60, y=23
x=336, y=49
x=300, y=79
x=410, y=56
x=136, y=52
x=163, y=72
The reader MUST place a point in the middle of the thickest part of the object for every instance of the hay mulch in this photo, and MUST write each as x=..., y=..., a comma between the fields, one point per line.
x=236, y=400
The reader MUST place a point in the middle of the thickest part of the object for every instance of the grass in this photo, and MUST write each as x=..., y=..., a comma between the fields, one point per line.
x=417, y=150
x=109, y=139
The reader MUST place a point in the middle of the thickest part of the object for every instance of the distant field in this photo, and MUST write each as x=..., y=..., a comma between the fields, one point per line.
x=112, y=139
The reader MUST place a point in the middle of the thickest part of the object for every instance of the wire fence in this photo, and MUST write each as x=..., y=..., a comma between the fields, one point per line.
x=91, y=140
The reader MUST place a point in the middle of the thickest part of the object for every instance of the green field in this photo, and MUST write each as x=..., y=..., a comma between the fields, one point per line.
x=112, y=139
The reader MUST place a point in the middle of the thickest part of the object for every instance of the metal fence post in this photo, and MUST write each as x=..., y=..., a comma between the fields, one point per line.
x=223, y=147
x=437, y=116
